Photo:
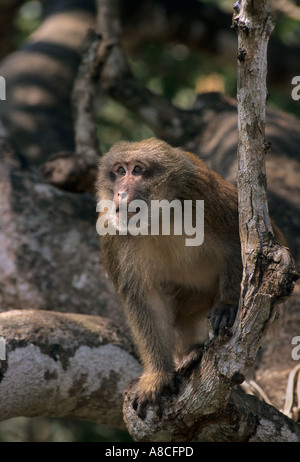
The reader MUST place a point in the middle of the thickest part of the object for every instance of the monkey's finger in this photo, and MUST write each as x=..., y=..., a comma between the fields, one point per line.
x=227, y=320
x=175, y=384
x=158, y=409
x=140, y=405
x=141, y=410
x=134, y=404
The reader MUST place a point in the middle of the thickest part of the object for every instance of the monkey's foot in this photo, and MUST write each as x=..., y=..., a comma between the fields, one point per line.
x=190, y=360
x=149, y=389
x=222, y=317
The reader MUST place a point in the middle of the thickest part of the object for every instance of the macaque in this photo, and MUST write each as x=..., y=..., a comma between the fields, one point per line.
x=169, y=288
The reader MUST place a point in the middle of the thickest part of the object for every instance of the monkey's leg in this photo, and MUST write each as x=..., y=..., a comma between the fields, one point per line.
x=191, y=333
x=150, y=319
x=225, y=307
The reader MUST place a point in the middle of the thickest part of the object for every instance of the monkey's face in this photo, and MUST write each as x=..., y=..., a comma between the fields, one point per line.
x=132, y=183
x=131, y=175
x=129, y=182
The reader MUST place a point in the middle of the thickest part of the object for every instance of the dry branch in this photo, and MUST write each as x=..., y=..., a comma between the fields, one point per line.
x=269, y=270
x=168, y=122
x=64, y=365
x=77, y=171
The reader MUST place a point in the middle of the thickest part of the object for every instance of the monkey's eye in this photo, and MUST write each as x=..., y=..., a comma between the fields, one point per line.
x=137, y=170
x=121, y=171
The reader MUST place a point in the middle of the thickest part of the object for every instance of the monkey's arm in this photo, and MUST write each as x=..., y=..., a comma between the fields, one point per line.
x=150, y=320
x=148, y=312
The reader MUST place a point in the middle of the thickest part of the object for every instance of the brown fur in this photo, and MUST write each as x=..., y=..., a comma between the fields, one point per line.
x=167, y=287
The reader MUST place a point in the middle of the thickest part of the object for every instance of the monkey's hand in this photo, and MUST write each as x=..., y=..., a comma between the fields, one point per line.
x=149, y=389
x=222, y=317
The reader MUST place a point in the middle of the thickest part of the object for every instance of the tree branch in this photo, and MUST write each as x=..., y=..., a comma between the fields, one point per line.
x=78, y=172
x=70, y=365
x=168, y=122
x=208, y=407
x=64, y=365
x=269, y=270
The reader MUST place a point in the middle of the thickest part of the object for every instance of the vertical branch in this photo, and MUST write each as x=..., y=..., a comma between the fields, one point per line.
x=77, y=171
x=108, y=19
x=269, y=272
x=254, y=24
x=109, y=25
x=83, y=98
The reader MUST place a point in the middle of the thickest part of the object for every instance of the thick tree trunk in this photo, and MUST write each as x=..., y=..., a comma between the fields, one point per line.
x=64, y=365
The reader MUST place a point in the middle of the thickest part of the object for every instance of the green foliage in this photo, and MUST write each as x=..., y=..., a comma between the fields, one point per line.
x=27, y=20
x=172, y=70
x=287, y=30
x=116, y=123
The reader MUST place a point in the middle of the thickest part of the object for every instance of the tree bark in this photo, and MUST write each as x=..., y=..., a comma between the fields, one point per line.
x=76, y=171
x=40, y=77
x=269, y=271
x=64, y=365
